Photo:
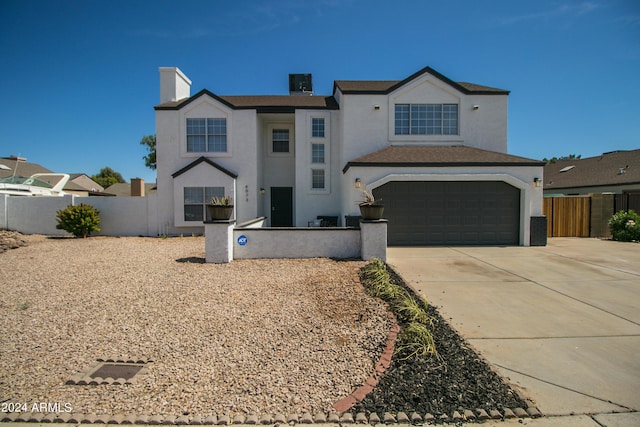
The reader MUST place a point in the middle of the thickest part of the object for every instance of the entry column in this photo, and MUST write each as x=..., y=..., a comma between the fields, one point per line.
x=218, y=241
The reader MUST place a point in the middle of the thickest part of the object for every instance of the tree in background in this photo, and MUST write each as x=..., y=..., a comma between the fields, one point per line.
x=556, y=159
x=107, y=177
x=150, y=142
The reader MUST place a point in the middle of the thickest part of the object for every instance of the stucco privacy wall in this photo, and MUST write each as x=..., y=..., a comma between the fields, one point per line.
x=34, y=215
x=119, y=216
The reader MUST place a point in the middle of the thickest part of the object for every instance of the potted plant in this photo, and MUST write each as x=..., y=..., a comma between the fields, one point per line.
x=370, y=208
x=220, y=208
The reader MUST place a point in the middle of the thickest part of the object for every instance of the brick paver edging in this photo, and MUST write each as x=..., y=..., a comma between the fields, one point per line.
x=346, y=403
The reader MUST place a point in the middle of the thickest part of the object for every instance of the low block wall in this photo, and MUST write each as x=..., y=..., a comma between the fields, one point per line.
x=296, y=243
x=224, y=242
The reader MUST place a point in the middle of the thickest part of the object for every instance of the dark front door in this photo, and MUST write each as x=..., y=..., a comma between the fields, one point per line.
x=281, y=206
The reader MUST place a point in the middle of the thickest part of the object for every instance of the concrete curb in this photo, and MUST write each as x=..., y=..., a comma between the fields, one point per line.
x=333, y=418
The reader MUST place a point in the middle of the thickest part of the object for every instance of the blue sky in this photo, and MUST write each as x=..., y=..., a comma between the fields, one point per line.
x=80, y=78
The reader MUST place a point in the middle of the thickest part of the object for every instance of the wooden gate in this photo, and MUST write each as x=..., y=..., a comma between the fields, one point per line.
x=567, y=216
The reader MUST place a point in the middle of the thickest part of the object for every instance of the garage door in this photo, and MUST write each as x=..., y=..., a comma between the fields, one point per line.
x=451, y=213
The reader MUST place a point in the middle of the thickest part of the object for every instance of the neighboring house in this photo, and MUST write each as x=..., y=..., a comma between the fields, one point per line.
x=136, y=188
x=24, y=169
x=433, y=149
x=81, y=184
x=614, y=172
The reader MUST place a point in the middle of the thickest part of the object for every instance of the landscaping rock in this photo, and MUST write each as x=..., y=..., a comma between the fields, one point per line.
x=11, y=240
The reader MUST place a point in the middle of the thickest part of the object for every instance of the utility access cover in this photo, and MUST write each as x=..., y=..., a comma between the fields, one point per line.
x=111, y=372
x=116, y=370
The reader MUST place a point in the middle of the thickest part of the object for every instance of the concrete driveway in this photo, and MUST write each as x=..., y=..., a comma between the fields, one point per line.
x=562, y=322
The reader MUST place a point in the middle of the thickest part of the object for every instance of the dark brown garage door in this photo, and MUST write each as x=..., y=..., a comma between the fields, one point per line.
x=451, y=213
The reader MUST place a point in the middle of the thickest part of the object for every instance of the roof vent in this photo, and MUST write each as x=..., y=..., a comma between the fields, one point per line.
x=300, y=84
x=621, y=171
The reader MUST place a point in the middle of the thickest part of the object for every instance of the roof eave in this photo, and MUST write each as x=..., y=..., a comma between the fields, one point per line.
x=436, y=164
x=207, y=161
x=186, y=101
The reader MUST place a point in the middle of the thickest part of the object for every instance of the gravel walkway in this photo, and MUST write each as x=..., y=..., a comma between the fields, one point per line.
x=249, y=337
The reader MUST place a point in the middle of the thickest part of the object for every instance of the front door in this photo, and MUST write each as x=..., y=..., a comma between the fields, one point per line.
x=281, y=206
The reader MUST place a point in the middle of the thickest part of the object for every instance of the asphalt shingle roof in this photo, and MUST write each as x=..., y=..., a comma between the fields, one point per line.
x=288, y=103
x=439, y=155
x=25, y=169
x=264, y=103
x=613, y=168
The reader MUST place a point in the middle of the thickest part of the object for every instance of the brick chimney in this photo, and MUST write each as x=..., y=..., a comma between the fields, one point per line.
x=174, y=85
x=137, y=187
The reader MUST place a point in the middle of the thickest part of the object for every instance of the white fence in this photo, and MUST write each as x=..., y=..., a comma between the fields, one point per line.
x=119, y=216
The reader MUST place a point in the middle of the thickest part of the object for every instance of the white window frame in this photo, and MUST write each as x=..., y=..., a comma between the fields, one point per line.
x=324, y=128
x=205, y=107
x=423, y=116
x=315, y=161
x=324, y=179
x=269, y=139
x=275, y=141
x=208, y=122
x=206, y=193
x=310, y=142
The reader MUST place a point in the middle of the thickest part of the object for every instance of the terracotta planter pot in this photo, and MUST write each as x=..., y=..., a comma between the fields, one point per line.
x=370, y=212
x=219, y=212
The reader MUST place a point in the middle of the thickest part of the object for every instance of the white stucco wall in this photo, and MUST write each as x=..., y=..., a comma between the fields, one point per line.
x=125, y=216
x=278, y=169
x=363, y=124
x=297, y=243
x=119, y=216
x=366, y=129
x=241, y=158
x=312, y=202
x=174, y=85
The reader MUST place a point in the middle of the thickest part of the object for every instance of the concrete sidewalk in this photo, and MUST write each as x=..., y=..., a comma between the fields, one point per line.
x=561, y=322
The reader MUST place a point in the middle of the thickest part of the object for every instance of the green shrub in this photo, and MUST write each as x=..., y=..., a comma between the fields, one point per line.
x=416, y=339
x=409, y=309
x=625, y=226
x=79, y=220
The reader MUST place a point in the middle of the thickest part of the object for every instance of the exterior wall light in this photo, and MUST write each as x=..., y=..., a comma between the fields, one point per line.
x=537, y=182
x=476, y=107
x=358, y=183
x=376, y=107
x=262, y=191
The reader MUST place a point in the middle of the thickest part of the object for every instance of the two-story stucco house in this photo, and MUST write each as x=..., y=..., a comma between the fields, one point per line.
x=434, y=150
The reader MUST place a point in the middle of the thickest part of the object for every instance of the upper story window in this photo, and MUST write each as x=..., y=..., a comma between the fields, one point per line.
x=280, y=140
x=317, y=153
x=206, y=135
x=426, y=119
x=317, y=179
x=317, y=128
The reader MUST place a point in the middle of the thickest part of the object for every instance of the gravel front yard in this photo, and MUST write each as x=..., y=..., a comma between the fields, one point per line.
x=260, y=336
